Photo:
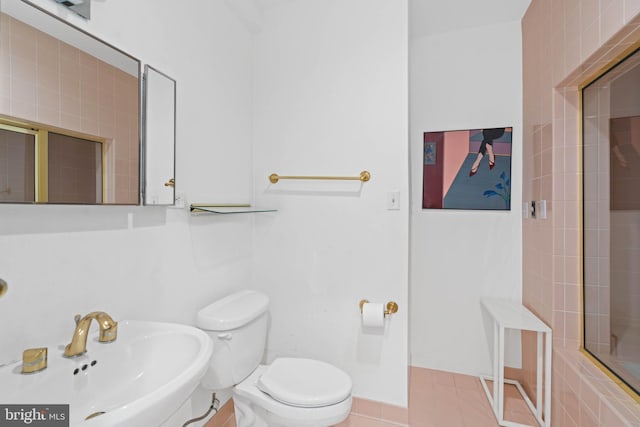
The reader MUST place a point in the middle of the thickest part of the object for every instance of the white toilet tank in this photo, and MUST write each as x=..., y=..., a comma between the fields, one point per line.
x=237, y=325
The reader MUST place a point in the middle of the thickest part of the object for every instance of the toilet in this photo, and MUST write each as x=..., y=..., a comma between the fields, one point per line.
x=290, y=392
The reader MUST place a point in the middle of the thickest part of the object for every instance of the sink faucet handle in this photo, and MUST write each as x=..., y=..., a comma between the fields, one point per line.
x=34, y=360
x=77, y=318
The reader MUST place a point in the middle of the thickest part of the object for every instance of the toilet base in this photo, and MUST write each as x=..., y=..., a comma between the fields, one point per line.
x=246, y=416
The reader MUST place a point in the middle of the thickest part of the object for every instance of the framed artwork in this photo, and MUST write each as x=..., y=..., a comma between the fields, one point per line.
x=467, y=169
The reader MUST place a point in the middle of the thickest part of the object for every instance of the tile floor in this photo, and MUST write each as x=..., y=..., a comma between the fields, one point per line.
x=443, y=399
x=439, y=399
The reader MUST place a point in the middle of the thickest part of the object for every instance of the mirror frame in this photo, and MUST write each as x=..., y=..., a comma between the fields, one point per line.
x=138, y=65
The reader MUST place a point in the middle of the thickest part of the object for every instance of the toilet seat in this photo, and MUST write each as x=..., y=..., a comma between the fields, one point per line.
x=248, y=398
x=305, y=383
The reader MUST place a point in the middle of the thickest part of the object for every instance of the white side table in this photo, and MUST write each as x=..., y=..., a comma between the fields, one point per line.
x=513, y=315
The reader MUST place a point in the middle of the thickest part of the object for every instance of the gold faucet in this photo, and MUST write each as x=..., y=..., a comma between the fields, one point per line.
x=78, y=344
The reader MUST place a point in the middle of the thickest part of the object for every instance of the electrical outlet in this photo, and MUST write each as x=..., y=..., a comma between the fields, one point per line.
x=542, y=209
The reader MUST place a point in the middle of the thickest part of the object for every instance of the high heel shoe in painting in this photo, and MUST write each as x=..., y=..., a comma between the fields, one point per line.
x=473, y=171
x=492, y=164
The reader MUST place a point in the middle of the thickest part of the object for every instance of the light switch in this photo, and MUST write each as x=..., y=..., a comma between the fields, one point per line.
x=393, y=200
x=542, y=209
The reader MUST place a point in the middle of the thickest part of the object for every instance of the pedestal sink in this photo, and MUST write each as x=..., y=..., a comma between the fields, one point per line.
x=139, y=380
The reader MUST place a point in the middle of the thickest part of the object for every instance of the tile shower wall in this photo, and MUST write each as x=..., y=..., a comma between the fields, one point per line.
x=564, y=43
x=74, y=91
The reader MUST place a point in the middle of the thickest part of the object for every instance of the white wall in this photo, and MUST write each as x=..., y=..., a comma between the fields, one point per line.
x=468, y=79
x=142, y=262
x=331, y=99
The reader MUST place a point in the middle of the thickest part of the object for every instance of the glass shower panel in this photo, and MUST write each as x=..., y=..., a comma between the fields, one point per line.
x=17, y=165
x=75, y=170
x=611, y=219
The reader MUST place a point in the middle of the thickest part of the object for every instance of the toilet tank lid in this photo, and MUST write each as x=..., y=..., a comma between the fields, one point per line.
x=232, y=311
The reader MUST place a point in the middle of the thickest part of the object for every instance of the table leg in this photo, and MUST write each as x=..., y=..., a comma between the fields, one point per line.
x=496, y=367
x=501, y=375
x=547, y=380
x=539, y=369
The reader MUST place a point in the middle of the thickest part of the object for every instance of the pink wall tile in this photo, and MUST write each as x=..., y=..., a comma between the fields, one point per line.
x=395, y=414
x=609, y=417
x=631, y=9
x=23, y=109
x=89, y=111
x=23, y=43
x=70, y=106
x=70, y=121
x=612, y=18
x=575, y=49
x=70, y=84
x=48, y=115
x=589, y=11
x=48, y=79
x=590, y=40
x=366, y=407
x=89, y=126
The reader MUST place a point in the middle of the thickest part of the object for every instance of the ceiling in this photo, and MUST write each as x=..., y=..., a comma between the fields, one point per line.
x=429, y=17
x=426, y=17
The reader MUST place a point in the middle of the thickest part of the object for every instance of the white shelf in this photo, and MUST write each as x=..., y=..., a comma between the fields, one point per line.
x=513, y=315
x=507, y=314
x=225, y=209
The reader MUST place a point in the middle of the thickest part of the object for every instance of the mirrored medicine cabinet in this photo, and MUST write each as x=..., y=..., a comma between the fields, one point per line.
x=159, y=141
x=71, y=118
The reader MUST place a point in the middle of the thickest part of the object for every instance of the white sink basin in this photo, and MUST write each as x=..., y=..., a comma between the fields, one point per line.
x=138, y=380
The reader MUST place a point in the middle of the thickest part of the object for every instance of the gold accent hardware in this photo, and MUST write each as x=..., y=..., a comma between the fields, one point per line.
x=34, y=360
x=4, y=287
x=95, y=414
x=363, y=177
x=392, y=307
x=170, y=183
x=108, y=332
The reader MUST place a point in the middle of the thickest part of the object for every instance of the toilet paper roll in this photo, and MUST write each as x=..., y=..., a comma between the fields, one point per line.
x=373, y=315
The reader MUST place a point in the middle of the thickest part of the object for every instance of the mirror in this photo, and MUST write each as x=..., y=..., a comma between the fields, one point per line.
x=69, y=113
x=160, y=138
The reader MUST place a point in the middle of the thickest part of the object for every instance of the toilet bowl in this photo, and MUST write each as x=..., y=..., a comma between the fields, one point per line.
x=289, y=392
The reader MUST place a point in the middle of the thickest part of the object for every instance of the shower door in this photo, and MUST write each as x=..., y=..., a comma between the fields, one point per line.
x=611, y=219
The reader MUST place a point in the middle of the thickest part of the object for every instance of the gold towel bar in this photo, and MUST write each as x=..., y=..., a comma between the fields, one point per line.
x=363, y=177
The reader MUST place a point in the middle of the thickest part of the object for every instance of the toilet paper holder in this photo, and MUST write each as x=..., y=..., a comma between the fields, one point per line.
x=392, y=307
